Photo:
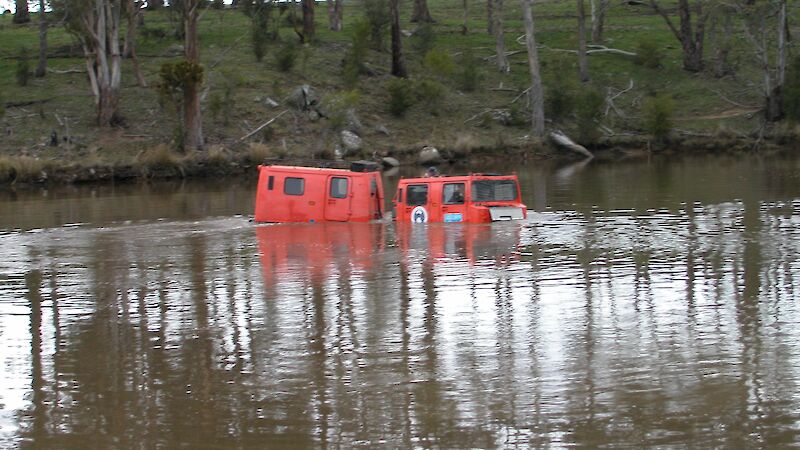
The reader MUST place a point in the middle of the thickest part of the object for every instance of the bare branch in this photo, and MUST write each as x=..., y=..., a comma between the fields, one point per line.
x=261, y=127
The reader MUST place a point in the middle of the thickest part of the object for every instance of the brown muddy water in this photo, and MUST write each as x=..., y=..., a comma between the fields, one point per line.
x=641, y=304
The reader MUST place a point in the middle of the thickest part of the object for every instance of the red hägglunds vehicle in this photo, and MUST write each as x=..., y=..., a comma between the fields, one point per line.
x=312, y=194
x=474, y=198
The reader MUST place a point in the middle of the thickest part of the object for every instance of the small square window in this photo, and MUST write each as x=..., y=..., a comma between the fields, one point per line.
x=453, y=194
x=293, y=186
x=338, y=187
x=417, y=194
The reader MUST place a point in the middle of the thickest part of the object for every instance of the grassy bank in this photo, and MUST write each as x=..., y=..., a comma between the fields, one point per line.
x=460, y=103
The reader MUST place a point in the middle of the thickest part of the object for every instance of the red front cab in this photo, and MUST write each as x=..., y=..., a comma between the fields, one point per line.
x=312, y=194
x=474, y=198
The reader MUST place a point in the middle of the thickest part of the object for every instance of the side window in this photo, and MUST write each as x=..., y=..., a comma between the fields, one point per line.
x=338, y=187
x=270, y=182
x=294, y=186
x=453, y=194
x=417, y=194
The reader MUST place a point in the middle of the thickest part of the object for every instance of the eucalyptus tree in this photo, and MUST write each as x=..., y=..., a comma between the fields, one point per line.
x=690, y=36
x=765, y=24
x=420, y=12
x=192, y=117
x=536, y=93
x=583, y=60
x=335, y=12
x=41, y=68
x=21, y=13
x=599, y=8
x=398, y=63
x=500, y=39
x=96, y=25
x=308, y=20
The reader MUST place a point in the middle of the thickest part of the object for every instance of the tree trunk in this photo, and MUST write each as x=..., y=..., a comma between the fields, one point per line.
x=129, y=49
x=691, y=41
x=107, y=64
x=598, y=20
x=107, y=107
x=490, y=17
x=335, y=10
x=464, y=25
x=308, y=20
x=723, y=47
x=774, y=107
x=398, y=66
x=21, y=14
x=583, y=60
x=192, y=119
x=420, y=12
x=41, y=68
x=500, y=39
x=537, y=99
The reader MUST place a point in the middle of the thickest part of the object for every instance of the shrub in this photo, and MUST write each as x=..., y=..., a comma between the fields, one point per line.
x=337, y=106
x=376, y=12
x=560, y=98
x=649, y=54
x=467, y=75
x=158, y=157
x=286, y=55
x=588, y=109
x=23, y=71
x=21, y=168
x=439, y=62
x=657, y=114
x=354, y=58
x=217, y=156
x=423, y=39
x=174, y=79
x=431, y=93
x=791, y=91
x=221, y=102
x=259, y=36
x=401, y=96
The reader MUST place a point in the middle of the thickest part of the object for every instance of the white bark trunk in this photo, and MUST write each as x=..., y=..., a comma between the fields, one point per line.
x=537, y=99
x=502, y=59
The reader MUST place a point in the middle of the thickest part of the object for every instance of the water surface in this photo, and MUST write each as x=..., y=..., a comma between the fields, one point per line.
x=644, y=303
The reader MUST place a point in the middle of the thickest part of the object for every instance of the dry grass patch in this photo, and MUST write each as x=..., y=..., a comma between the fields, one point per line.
x=22, y=168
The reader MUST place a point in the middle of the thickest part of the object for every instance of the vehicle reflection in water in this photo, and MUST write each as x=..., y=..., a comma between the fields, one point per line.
x=497, y=241
x=297, y=251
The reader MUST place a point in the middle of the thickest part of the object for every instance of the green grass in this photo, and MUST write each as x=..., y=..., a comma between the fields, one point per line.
x=226, y=54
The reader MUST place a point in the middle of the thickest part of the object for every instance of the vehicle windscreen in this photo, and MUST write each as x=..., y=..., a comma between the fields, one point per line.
x=494, y=190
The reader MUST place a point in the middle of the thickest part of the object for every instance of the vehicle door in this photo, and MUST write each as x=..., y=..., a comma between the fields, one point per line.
x=454, y=208
x=338, y=198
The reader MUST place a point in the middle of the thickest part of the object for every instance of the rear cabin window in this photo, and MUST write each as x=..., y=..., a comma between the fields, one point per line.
x=453, y=194
x=270, y=182
x=294, y=186
x=494, y=190
x=417, y=194
x=338, y=187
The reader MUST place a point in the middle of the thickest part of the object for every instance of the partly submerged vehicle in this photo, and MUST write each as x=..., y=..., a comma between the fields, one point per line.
x=474, y=198
x=314, y=194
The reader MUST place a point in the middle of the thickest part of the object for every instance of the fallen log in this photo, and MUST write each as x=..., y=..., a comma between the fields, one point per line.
x=562, y=140
x=26, y=103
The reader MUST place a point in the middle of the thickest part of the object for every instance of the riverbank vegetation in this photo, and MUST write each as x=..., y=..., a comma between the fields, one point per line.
x=360, y=79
